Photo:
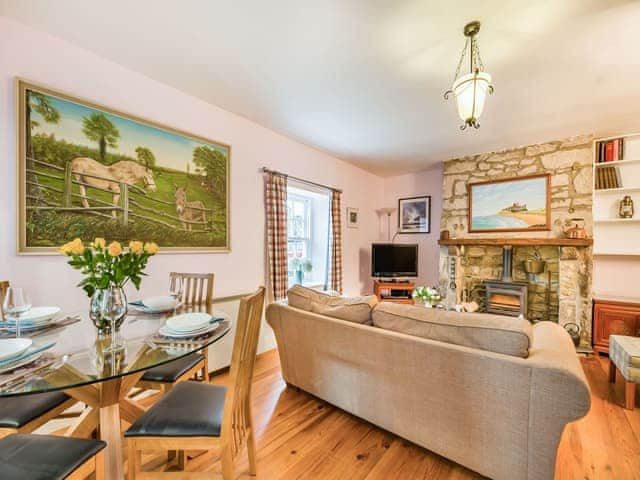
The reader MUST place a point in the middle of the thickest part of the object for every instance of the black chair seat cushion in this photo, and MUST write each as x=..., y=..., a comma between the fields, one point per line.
x=190, y=409
x=172, y=371
x=43, y=457
x=18, y=411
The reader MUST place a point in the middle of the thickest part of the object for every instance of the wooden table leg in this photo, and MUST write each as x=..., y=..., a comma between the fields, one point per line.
x=103, y=401
x=629, y=395
x=109, y=409
x=612, y=371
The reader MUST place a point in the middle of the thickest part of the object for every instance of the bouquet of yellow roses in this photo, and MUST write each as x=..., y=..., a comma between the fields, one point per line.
x=105, y=266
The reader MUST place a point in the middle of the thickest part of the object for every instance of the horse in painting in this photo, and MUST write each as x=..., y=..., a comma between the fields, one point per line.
x=89, y=172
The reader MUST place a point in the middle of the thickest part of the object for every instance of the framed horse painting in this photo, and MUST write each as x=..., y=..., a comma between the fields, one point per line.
x=87, y=171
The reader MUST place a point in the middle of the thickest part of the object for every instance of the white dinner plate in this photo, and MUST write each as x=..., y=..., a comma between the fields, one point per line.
x=36, y=315
x=189, y=322
x=12, y=347
x=160, y=304
x=167, y=332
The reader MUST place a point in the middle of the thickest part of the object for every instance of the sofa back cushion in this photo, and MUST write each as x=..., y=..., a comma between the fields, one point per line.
x=351, y=309
x=495, y=333
x=303, y=297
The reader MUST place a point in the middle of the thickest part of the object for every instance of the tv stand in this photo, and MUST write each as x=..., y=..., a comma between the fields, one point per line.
x=394, y=291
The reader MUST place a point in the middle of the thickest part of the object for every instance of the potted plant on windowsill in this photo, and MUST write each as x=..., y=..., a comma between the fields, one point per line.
x=300, y=266
x=107, y=269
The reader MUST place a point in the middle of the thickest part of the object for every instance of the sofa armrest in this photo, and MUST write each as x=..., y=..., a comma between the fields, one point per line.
x=559, y=394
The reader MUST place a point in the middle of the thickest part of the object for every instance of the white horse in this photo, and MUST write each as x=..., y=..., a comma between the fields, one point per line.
x=93, y=173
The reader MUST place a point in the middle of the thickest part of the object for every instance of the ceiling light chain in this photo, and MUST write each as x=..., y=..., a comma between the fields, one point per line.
x=471, y=89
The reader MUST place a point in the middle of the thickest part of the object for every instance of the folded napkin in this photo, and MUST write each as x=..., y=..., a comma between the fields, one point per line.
x=11, y=376
x=26, y=354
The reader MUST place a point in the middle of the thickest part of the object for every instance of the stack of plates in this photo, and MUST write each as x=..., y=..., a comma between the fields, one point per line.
x=32, y=319
x=189, y=325
x=17, y=352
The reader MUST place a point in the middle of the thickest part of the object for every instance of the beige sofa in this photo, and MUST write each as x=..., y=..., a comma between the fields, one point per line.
x=499, y=414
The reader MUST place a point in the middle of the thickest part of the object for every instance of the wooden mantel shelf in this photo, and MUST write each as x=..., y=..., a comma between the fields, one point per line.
x=554, y=242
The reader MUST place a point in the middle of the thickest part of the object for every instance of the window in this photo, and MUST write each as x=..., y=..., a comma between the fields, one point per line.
x=307, y=234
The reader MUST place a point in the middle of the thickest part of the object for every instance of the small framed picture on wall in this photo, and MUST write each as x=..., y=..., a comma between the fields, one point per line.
x=414, y=214
x=353, y=218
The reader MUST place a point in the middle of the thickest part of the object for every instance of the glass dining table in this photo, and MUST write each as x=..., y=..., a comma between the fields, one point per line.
x=79, y=364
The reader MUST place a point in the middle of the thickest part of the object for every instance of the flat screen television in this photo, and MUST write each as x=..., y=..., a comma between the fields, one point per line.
x=390, y=260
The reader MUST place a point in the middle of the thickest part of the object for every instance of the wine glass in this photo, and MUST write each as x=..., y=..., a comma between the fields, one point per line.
x=113, y=306
x=175, y=289
x=16, y=302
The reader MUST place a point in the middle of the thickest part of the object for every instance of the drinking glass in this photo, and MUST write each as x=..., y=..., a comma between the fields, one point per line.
x=16, y=302
x=175, y=289
x=113, y=306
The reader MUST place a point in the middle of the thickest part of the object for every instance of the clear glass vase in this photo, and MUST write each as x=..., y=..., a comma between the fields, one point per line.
x=108, y=311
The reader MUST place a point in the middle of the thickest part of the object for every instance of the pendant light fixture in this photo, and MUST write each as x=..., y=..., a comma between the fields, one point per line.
x=471, y=89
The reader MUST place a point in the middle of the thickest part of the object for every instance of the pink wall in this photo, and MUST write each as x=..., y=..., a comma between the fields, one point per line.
x=426, y=182
x=43, y=59
x=616, y=276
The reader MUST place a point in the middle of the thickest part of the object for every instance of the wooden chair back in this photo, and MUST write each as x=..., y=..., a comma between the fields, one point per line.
x=4, y=285
x=236, y=420
x=197, y=289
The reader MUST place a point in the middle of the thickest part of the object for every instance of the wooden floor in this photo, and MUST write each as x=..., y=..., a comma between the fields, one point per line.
x=301, y=437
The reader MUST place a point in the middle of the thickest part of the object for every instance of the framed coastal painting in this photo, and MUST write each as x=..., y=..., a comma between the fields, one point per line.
x=87, y=171
x=511, y=205
x=414, y=215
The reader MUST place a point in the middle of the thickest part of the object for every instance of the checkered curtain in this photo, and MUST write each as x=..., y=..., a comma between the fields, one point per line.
x=335, y=246
x=276, y=217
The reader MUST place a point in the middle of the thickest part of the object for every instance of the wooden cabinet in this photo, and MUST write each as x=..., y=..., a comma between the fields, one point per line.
x=399, y=292
x=613, y=317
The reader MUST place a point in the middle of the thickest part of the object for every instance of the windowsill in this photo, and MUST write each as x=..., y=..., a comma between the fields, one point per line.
x=310, y=285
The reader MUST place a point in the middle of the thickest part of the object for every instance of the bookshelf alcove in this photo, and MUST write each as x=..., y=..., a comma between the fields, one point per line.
x=616, y=173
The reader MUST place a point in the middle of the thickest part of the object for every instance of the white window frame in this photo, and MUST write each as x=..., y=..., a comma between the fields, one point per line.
x=308, y=227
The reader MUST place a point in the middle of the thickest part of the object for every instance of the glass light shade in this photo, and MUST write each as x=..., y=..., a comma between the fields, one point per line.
x=471, y=92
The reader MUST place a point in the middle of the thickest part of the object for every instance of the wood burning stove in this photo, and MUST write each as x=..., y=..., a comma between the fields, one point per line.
x=504, y=296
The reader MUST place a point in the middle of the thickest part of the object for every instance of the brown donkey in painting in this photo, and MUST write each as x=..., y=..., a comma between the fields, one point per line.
x=188, y=212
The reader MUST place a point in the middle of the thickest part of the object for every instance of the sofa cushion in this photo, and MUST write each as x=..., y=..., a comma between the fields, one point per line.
x=351, y=309
x=495, y=333
x=303, y=297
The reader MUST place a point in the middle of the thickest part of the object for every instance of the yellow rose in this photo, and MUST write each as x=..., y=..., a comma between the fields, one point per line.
x=66, y=248
x=99, y=242
x=151, y=248
x=135, y=247
x=76, y=247
x=114, y=249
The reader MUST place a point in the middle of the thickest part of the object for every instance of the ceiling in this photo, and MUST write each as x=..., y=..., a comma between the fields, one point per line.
x=363, y=79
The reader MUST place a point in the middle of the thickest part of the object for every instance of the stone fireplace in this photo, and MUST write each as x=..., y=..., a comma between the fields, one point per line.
x=472, y=265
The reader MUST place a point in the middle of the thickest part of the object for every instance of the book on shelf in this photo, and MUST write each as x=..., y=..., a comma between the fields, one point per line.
x=608, y=177
x=610, y=150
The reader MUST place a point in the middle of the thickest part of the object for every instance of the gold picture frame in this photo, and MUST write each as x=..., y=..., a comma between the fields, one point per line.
x=497, y=215
x=139, y=191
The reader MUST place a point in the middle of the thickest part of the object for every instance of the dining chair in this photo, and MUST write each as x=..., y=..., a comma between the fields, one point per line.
x=25, y=414
x=201, y=416
x=197, y=293
x=50, y=457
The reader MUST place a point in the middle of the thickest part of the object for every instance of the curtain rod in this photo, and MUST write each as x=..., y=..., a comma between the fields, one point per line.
x=308, y=182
